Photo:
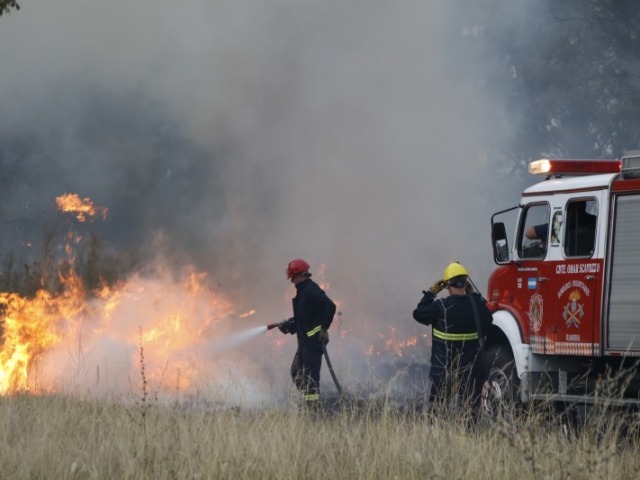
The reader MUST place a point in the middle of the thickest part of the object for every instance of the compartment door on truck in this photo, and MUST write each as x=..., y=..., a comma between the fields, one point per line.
x=623, y=326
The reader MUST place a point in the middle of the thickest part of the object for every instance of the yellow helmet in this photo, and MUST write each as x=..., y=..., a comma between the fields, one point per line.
x=454, y=269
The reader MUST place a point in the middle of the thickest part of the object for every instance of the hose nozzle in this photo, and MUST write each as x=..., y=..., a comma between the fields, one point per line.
x=271, y=326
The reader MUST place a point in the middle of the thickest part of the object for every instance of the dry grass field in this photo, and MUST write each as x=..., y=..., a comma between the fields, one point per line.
x=68, y=436
x=59, y=437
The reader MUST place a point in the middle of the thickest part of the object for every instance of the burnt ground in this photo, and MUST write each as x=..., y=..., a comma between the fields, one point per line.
x=400, y=385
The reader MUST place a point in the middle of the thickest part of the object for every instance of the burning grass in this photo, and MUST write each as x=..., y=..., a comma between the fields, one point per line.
x=91, y=355
x=74, y=319
x=62, y=437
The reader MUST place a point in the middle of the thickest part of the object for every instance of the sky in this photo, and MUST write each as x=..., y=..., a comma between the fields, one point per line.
x=236, y=136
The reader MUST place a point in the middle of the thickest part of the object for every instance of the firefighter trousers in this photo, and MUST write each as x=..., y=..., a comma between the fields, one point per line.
x=456, y=372
x=305, y=371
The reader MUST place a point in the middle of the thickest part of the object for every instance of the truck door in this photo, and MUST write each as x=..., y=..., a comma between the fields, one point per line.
x=574, y=279
x=532, y=250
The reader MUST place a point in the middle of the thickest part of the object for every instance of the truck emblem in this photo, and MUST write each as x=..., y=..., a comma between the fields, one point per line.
x=573, y=311
x=535, y=312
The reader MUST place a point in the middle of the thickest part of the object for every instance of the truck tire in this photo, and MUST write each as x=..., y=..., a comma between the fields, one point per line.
x=501, y=391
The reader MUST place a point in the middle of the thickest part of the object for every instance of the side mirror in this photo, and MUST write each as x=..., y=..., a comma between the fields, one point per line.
x=499, y=243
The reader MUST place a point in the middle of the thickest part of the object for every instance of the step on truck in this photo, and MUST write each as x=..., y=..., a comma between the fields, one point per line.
x=565, y=294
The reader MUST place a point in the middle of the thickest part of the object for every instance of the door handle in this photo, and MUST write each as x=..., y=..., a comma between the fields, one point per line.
x=590, y=277
x=542, y=279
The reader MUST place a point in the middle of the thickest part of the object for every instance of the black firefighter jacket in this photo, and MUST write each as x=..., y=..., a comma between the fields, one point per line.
x=313, y=311
x=453, y=322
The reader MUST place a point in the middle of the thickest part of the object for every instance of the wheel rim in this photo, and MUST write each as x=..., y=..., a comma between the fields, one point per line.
x=495, y=392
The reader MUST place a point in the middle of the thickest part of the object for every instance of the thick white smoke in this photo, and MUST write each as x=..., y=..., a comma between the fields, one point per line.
x=250, y=133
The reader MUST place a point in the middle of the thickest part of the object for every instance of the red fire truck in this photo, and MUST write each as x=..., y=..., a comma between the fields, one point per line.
x=565, y=296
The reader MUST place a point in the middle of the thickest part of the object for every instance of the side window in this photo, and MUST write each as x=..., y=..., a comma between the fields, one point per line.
x=534, y=230
x=580, y=228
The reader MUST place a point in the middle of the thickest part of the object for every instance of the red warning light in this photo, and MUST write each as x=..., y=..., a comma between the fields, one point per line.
x=548, y=166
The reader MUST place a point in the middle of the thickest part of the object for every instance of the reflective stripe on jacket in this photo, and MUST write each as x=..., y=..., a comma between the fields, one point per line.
x=454, y=337
x=311, y=333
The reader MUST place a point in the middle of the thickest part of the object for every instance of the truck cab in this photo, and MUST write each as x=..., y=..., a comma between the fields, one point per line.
x=565, y=295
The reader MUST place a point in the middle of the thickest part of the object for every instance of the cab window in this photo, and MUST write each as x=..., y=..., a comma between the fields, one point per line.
x=580, y=228
x=534, y=230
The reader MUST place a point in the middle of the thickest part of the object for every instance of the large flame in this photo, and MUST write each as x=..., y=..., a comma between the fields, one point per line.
x=79, y=335
x=103, y=339
x=32, y=326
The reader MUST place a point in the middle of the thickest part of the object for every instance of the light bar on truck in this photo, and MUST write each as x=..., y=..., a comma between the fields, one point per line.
x=548, y=166
x=631, y=164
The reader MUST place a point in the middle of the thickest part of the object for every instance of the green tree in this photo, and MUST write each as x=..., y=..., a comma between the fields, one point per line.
x=7, y=5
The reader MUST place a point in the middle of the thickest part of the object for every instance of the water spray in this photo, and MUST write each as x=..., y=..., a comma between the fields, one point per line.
x=235, y=340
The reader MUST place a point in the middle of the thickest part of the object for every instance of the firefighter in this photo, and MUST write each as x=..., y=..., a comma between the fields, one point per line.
x=457, y=368
x=313, y=313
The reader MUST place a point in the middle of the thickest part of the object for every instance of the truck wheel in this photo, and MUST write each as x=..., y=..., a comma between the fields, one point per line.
x=501, y=391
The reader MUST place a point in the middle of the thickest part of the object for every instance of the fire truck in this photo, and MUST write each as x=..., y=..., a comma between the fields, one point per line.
x=565, y=294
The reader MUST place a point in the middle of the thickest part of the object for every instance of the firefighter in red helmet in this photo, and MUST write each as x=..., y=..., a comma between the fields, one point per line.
x=313, y=313
x=457, y=368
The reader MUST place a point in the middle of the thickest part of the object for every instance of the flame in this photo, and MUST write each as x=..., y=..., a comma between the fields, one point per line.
x=153, y=328
x=80, y=335
x=83, y=208
x=97, y=340
x=31, y=327
x=391, y=344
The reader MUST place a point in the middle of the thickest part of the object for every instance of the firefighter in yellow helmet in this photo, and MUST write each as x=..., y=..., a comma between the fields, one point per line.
x=457, y=369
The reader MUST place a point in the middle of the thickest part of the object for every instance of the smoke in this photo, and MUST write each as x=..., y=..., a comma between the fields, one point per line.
x=239, y=135
x=156, y=337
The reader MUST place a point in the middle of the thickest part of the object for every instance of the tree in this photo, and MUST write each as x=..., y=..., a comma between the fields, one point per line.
x=565, y=75
x=579, y=76
x=7, y=5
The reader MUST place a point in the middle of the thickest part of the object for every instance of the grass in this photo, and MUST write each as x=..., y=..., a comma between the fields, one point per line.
x=141, y=437
x=62, y=437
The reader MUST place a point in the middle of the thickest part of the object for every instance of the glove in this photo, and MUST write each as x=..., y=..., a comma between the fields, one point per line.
x=288, y=326
x=437, y=287
x=324, y=336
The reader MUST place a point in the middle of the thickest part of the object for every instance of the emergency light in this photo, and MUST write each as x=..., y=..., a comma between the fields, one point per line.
x=548, y=166
x=631, y=164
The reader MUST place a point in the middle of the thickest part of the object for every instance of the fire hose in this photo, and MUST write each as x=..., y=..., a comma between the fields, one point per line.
x=333, y=374
x=324, y=352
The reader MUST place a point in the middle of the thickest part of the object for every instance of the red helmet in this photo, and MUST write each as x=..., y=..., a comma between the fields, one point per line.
x=297, y=266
